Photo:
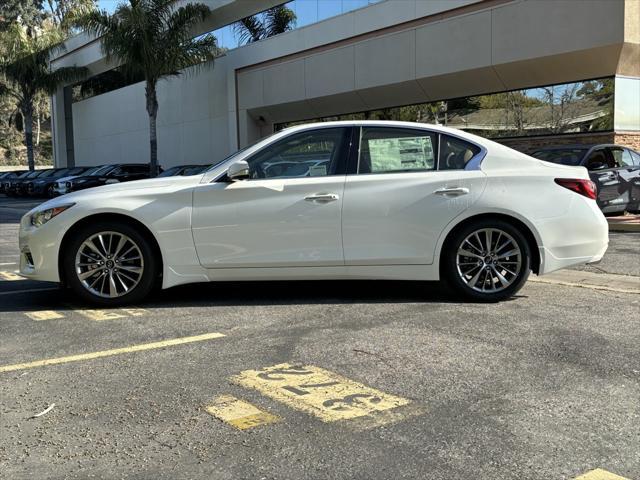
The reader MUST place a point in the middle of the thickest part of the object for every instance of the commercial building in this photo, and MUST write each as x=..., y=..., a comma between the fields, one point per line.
x=568, y=71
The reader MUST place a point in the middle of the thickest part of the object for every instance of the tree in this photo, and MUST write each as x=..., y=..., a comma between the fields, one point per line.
x=64, y=12
x=28, y=13
x=151, y=39
x=25, y=74
x=271, y=22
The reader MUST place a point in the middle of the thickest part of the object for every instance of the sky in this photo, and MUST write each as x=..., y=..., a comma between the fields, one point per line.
x=307, y=12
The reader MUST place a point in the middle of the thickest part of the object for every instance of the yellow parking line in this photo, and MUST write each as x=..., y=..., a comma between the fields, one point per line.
x=10, y=276
x=239, y=414
x=600, y=474
x=99, y=315
x=319, y=392
x=44, y=315
x=114, y=351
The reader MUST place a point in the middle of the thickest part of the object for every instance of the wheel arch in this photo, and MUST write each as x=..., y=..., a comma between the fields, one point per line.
x=525, y=229
x=103, y=217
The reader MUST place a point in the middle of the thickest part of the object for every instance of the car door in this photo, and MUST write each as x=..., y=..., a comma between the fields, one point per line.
x=628, y=173
x=398, y=201
x=287, y=214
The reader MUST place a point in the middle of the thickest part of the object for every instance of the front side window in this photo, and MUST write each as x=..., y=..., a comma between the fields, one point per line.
x=315, y=153
x=636, y=157
x=455, y=153
x=622, y=157
x=395, y=150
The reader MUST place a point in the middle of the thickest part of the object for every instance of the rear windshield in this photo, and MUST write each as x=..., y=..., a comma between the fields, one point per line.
x=563, y=156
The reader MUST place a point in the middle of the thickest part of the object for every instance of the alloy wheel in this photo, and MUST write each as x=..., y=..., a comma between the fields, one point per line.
x=489, y=260
x=109, y=264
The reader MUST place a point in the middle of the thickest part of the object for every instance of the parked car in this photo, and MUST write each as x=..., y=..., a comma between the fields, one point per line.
x=183, y=170
x=387, y=200
x=614, y=169
x=44, y=184
x=108, y=174
x=60, y=185
x=13, y=185
x=5, y=176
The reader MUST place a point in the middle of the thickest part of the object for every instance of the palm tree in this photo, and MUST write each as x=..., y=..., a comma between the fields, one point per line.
x=272, y=22
x=152, y=39
x=25, y=74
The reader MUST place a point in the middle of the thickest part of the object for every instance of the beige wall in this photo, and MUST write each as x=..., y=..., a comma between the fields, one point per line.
x=392, y=53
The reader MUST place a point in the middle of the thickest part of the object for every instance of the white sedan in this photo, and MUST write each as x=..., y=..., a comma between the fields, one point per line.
x=336, y=200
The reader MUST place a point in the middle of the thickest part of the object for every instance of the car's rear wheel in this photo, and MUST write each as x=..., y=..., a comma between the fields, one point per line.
x=487, y=260
x=110, y=264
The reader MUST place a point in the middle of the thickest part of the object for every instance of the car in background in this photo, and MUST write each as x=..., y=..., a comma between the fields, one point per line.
x=5, y=176
x=105, y=175
x=13, y=185
x=44, y=184
x=59, y=187
x=183, y=170
x=613, y=168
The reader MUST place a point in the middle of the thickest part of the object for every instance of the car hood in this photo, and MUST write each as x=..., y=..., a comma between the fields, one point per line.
x=66, y=179
x=105, y=192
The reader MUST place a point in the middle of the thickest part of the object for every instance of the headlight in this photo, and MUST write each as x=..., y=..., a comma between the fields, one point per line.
x=40, y=218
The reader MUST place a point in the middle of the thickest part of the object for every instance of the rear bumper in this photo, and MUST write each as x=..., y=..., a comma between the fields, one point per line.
x=576, y=239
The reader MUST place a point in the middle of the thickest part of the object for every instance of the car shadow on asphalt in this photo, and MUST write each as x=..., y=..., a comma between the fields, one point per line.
x=247, y=294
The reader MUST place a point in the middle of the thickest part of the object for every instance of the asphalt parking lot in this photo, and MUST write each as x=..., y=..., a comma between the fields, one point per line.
x=323, y=380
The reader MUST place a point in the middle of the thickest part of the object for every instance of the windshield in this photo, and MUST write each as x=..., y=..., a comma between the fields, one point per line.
x=170, y=172
x=103, y=170
x=563, y=156
x=60, y=173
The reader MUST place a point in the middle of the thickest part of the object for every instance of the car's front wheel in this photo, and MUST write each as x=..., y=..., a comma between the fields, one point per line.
x=487, y=260
x=110, y=264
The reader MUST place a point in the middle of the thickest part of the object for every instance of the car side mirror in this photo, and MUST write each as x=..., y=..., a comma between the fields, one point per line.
x=238, y=170
x=597, y=166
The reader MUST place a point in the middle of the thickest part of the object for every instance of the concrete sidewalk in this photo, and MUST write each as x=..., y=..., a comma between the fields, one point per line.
x=625, y=223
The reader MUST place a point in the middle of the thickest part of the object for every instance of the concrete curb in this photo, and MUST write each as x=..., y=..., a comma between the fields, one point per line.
x=624, y=227
x=595, y=281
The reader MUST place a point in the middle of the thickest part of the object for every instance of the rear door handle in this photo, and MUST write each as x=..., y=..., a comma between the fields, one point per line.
x=322, y=197
x=453, y=191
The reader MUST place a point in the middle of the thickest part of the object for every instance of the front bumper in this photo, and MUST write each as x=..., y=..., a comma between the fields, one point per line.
x=39, y=248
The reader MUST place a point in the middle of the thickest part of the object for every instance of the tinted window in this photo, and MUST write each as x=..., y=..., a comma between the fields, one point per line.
x=455, y=153
x=598, y=160
x=563, y=156
x=393, y=150
x=622, y=157
x=635, y=156
x=315, y=153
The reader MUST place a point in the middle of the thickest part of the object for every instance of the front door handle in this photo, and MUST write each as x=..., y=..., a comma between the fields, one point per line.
x=453, y=191
x=322, y=197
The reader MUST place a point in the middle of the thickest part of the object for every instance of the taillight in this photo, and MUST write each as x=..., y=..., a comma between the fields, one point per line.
x=579, y=185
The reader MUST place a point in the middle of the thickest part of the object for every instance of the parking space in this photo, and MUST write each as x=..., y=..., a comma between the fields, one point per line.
x=321, y=380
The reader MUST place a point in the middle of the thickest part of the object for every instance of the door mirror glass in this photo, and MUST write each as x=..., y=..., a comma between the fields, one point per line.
x=238, y=170
x=597, y=166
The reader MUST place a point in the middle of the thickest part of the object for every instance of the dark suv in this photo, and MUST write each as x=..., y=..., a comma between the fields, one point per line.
x=614, y=169
x=123, y=172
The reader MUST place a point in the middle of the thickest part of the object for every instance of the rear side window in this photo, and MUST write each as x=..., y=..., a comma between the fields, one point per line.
x=635, y=156
x=455, y=153
x=394, y=150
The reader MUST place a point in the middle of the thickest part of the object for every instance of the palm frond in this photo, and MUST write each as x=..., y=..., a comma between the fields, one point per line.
x=249, y=30
x=278, y=20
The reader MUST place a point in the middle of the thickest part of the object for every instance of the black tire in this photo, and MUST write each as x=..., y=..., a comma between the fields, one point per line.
x=453, y=274
x=137, y=293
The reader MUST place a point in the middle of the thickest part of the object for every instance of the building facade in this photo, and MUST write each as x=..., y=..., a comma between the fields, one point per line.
x=528, y=73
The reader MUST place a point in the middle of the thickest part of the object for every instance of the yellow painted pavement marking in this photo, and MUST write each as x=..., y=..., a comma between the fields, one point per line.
x=319, y=392
x=114, y=351
x=100, y=315
x=239, y=414
x=10, y=276
x=44, y=315
x=600, y=474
